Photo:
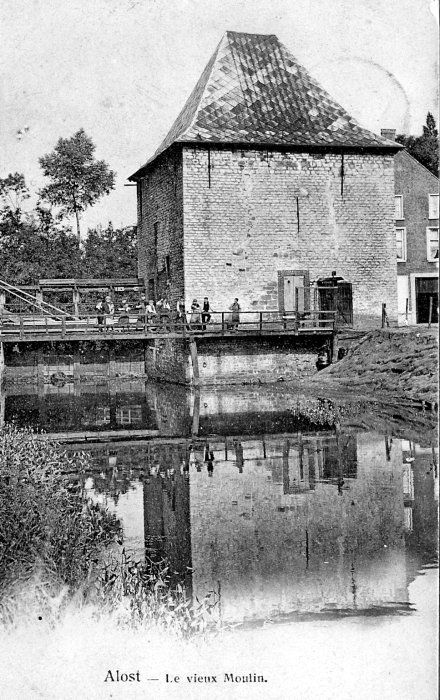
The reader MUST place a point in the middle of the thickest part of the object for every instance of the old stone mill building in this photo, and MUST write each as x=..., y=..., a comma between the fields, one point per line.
x=263, y=189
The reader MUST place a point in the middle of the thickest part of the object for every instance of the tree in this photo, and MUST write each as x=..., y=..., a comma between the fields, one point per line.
x=34, y=244
x=110, y=253
x=77, y=179
x=13, y=192
x=424, y=148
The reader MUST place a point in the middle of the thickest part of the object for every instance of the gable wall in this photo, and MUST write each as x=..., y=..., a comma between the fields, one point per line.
x=415, y=183
x=161, y=192
x=241, y=227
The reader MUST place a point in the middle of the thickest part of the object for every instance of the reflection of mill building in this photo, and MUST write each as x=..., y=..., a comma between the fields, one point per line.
x=294, y=532
x=263, y=186
x=285, y=524
x=167, y=525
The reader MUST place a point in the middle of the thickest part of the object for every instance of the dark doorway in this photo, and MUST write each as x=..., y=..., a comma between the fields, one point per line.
x=426, y=289
x=335, y=294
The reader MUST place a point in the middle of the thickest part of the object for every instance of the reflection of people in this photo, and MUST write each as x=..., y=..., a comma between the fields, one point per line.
x=209, y=459
x=239, y=456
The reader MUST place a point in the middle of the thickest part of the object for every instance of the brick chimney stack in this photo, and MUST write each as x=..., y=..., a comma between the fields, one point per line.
x=388, y=134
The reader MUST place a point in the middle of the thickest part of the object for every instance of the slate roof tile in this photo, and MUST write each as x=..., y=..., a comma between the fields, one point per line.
x=254, y=91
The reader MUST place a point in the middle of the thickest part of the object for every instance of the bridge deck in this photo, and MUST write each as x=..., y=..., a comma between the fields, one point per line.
x=40, y=329
x=55, y=336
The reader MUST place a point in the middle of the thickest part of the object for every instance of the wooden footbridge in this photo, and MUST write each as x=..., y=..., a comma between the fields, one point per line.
x=27, y=317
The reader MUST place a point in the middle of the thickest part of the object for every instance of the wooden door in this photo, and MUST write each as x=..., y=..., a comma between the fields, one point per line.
x=293, y=285
x=426, y=288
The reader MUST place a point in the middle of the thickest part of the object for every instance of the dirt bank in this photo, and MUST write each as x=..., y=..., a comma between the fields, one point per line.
x=399, y=363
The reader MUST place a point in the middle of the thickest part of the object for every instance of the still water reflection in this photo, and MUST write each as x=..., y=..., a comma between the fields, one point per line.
x=256, y=505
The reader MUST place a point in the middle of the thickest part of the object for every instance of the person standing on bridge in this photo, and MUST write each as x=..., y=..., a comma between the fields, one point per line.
x=100, y=315
x=141, y=307
x=109, y=308
x=124, y=316
x=150, y=313
x=235, y=315
x=163, y=309
x=195, y=315
x=180, y=312
x=206, y=313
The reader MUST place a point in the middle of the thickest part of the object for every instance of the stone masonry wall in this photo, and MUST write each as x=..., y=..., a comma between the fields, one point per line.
x=160, y=216
x=168, y=360
x=254, y=213
x=243, y=360
x=233, y=361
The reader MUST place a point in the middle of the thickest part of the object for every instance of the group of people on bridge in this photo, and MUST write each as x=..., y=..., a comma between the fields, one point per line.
x=159, y=315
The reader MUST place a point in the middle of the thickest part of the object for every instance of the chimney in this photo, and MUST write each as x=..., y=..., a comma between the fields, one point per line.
x=388, y=134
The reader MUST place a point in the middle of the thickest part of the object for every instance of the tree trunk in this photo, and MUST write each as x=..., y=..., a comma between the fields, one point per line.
x=77, y=220
x=77, y=226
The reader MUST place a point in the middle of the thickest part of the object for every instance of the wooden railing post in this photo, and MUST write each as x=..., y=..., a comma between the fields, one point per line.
x=430, y=312
x=63, y=327
x=261, y=321
x=21, y=326
x=223, y=321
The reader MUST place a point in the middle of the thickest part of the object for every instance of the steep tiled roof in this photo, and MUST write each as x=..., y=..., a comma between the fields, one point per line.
x=253, y=91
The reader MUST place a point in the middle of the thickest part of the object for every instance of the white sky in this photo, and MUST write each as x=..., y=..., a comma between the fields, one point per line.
x=122, y=70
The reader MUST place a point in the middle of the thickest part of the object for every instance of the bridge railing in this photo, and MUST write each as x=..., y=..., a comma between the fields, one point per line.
x=267, y=320
x=216, y=323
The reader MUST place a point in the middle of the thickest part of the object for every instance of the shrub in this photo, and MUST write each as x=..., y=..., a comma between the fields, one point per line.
x=52, y=539
x=47, y=523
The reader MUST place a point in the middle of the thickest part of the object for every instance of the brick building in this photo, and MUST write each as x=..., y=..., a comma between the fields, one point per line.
x=263, y=186
x=416, y=221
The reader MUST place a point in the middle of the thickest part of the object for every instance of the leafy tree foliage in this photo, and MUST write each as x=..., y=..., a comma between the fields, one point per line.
x=77, y=179
x=110, y=253
x=36, y=245
x=13, y=192
x=425, y=147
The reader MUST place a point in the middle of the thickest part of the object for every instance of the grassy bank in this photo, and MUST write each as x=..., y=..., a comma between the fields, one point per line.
x=400, y=363
x=60, y=551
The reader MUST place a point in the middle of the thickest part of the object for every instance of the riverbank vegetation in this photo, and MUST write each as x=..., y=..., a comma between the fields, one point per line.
x=60, y=551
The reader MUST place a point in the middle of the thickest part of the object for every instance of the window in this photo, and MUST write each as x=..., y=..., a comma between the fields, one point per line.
x=401, y=244
x=432, y=244
x=168, y=266
x=156, y=234
x=433, y=206
x=398, y=206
